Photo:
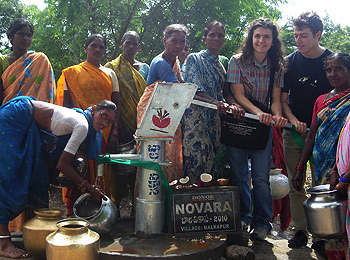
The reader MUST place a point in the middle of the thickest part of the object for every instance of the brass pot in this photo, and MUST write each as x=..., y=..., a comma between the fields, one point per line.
x=72, y=240
x=36, y=229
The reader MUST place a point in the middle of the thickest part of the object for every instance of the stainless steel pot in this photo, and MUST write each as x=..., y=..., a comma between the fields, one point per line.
x=325, y=212
x=102, y=216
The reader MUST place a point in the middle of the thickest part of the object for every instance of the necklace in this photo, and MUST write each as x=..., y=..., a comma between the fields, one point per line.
x=166, y=58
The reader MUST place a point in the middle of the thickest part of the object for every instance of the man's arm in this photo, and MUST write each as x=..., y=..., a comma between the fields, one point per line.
x=300, y=127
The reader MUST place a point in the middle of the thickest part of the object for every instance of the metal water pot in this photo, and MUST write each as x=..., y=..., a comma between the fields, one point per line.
x=102, y=216
x=36, y=229
x=73, y=240
x=325, y=212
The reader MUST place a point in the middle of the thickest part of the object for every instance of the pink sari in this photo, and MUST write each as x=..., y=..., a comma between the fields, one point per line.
x=343, y=165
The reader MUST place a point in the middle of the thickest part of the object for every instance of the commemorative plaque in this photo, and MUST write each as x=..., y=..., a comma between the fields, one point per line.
x=205, y=210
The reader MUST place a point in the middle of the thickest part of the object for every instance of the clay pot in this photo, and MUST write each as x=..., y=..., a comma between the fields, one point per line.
x=72, y=240
x=279, y=184
x=36, y=229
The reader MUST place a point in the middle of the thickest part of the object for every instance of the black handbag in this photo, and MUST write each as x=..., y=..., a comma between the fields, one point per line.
x=246, y=133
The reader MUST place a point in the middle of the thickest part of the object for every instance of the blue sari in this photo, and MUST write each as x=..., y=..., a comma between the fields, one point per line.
x=24, y=178
x=331, y=119
x=201, y=126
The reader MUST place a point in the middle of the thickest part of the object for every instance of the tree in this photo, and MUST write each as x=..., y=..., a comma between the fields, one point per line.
x=334, y=37
x=62, y=28
x=9, y=10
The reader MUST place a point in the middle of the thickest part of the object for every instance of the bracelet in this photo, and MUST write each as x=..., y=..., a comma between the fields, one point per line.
x=4, y=237
x=82, y=184
x=115, y=132
x=343, y=179
x=300, y=167
x=331, y=172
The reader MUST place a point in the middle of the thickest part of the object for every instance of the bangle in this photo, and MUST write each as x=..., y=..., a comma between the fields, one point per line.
x=300, y=167
x=331, y=172
x=82, y=186
x=115, y=132
x=343, y=179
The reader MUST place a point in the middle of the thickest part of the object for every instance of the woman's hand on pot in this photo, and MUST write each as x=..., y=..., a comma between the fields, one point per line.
x=333, y=180
x=96, y=193
x=341, y=185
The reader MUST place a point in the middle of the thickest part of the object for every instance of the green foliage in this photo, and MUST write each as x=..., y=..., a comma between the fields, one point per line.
x=62, y=28
x=334, y=37
x=9, y=10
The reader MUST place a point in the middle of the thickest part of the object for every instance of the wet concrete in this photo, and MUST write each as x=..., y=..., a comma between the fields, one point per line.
x=125, y=245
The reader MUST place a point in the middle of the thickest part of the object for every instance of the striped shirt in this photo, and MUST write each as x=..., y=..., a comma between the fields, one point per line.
x=254, y=77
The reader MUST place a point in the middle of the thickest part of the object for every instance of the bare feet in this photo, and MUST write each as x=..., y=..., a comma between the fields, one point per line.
x=7, y=249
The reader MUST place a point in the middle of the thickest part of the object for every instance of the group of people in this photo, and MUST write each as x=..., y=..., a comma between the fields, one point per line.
x=97, y=107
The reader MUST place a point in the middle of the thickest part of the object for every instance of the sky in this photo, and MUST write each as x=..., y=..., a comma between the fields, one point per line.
x=337, y=10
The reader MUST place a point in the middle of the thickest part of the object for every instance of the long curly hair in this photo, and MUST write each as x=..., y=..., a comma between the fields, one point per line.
x=275, y=54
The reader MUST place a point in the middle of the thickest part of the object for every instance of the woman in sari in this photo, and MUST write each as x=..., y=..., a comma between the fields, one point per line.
x=201, y=126
x=83, y=85
x=340, y=178
x=35, y=133
x=339, y=175
x=166, y=67
x=131, y=75
x=23, y=72
x=329, y=116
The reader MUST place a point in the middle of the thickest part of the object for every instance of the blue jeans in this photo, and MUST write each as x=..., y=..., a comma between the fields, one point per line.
x=260, y=168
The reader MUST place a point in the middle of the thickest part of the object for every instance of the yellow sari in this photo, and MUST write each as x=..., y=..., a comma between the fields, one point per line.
x=87, y=85
x=131, y=85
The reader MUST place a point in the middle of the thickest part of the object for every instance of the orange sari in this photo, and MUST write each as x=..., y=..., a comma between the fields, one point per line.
x=87, y=85
x=174, y=149
x=30, y=75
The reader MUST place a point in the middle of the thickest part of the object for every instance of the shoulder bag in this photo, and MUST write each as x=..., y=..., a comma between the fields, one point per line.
x=246, y=133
